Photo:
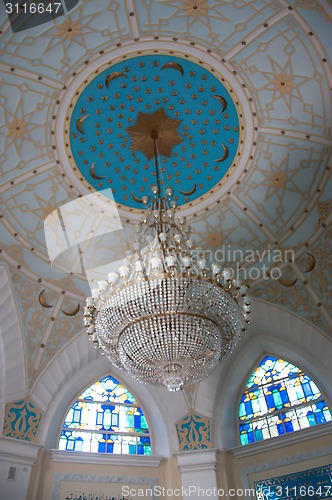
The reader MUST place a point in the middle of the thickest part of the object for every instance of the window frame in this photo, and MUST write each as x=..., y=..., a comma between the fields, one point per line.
x=138, y=404
x=283, y=410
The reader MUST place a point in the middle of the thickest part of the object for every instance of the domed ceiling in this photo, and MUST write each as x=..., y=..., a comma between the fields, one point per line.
x=250, y=82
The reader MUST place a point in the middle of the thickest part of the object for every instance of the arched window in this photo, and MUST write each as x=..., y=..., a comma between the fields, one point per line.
x=279, y=398
x=106, y=419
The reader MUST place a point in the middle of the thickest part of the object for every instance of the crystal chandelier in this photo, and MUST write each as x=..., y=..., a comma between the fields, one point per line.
x=166, y=316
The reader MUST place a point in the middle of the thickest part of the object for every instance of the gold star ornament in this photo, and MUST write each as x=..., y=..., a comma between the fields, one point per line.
x=155, y=129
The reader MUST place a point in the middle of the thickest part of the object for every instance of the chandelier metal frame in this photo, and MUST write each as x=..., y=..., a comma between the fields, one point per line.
x=167, y=316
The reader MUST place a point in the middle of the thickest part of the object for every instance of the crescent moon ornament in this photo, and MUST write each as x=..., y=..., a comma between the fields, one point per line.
x=72, y=313
x=311, y=263
x=136, y=198
x=113, y=76
x=93, y=173
x=224, y=156
x=222, y=101
x=288, y=283
x=173, y=65
x=188, y=193
x=79, y=123
x=42, y=300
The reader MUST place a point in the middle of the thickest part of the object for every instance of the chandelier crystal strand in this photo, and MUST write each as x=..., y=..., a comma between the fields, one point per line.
x=166, y=317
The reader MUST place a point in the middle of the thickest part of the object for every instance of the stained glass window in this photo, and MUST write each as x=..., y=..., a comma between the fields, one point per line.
x=106, y=418
x=279, y=398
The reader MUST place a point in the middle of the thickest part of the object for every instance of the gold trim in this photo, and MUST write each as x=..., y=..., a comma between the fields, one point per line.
x=169, y=313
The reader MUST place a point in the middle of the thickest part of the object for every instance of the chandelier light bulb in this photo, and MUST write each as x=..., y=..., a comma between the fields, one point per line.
x=112, y=277
x=186, y=261
x=215, y=269
x=102, y=285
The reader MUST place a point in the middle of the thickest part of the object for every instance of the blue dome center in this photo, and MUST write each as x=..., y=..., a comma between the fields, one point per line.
x=188, y=92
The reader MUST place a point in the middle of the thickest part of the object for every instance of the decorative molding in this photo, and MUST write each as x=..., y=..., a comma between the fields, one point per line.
x=13, y=369
x=281, y=441
x=324, y=210
x=196, y=461
x=19, y=452
x=101, y=459
x=60, y=476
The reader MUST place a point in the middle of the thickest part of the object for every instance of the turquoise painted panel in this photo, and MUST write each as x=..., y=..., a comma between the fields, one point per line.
x=194, y=432
x=311, y=484
x=22, y=420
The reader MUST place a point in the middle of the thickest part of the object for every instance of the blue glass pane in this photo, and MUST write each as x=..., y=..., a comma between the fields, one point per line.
x=284, y=397
x=270, y=401
x=110, y=446
x=311, y=418
x=132, y=449
x=137, y=422
x=259, y=434
x=288, y=425
x=251, y=437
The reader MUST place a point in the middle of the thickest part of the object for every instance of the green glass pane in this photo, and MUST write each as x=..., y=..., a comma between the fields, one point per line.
x=244, y=439
x=130, y=421
x=277, y=399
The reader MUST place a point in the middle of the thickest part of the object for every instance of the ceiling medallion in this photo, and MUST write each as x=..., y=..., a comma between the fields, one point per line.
x=102, y=115
x=166, y=316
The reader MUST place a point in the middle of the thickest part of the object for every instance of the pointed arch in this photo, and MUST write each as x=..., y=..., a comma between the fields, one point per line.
x=279, y=398
x=106, y=418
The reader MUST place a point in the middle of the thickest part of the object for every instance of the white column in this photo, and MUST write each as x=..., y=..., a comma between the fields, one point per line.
x=16, y=461
x=198, y=473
